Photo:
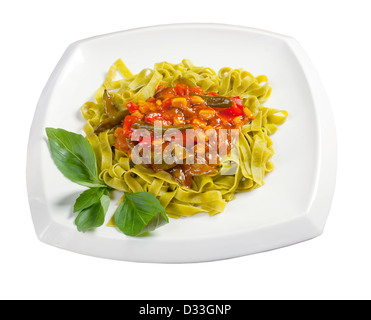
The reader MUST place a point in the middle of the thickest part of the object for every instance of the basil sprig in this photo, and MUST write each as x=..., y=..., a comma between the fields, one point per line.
x=74, y=157
x=140, y=212
x=92, y=206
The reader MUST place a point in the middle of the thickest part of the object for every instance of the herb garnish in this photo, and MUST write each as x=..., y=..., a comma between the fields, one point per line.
x=74, y=157
x=140, y=212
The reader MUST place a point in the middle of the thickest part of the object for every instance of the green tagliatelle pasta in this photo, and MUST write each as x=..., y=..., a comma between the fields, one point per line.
x=208, y=193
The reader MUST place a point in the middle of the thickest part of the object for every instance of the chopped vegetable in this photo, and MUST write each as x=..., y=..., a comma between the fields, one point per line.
x=132, y=106
x=126, y=128
x=217, y=101
x=151, y=127
x=109, y=106
x=111, y=122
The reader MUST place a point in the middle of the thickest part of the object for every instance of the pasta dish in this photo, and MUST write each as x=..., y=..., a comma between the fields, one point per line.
x=191, y=136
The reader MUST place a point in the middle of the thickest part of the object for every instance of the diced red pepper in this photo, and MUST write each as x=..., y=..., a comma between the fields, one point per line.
x=238, y=101
x=181, y=89
x=212, y=94
x=237, y=111
x=132, y=106
x=227, y=112
x=166, y=103
x=197, y=90
x=233, y=111
x=126, y=128
x=159, y=87
x=156, y=116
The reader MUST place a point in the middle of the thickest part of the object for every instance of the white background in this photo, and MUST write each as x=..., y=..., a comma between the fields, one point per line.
x=336, y=265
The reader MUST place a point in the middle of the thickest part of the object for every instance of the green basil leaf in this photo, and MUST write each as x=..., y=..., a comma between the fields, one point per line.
x=74, y=157
x=93, y=217
x=138, y=213
x=88, y=198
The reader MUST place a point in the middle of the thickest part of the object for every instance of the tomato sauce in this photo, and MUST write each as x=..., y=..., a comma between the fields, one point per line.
x=182, y=107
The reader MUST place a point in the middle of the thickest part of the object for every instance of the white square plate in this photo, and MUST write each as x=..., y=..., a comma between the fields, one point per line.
x=291, y=207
